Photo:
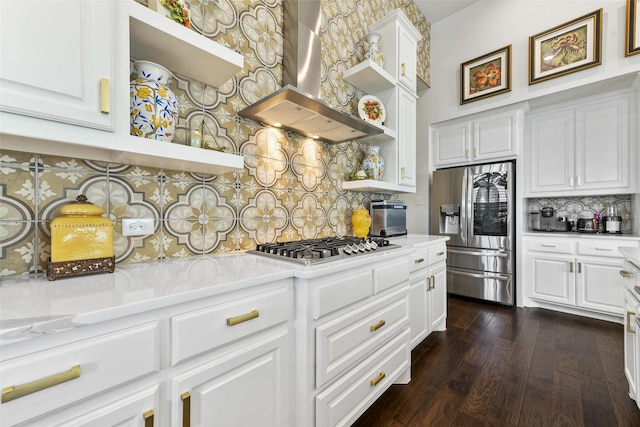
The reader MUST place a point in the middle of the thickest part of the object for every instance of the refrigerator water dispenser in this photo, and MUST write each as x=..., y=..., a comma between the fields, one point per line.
x=450, y=219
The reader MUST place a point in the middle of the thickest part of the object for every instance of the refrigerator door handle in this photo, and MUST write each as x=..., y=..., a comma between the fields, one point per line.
x=479, y=276
x=500, y=254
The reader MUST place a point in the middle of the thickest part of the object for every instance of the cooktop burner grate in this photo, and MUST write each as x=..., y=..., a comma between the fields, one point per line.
x=314, y=251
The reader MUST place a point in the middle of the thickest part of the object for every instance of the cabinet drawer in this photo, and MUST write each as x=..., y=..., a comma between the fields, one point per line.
x=419, y=260
x=208, y=328
x=349, y=338
x=341, y=290
x=346, y=399
x=550, y=245
x=389, y=275
x=80, y=369
x=604, y=247
x=437, y=254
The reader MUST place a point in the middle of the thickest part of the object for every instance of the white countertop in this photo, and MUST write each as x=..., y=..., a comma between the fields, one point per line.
x=566, y=234
x=31, y=306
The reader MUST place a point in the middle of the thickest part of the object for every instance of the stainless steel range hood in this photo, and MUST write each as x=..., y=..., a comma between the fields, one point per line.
x=297, y=105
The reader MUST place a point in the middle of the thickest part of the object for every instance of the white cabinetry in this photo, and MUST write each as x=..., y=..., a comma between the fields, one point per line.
x=428, y=292
x=395, y=86
x=583, y=148
x=352, y=336
x=80, y=107
x=495, y=135
x=576, y=273
x=58, y=71
x=632, y=312
x=240, y=375
x=47, y=378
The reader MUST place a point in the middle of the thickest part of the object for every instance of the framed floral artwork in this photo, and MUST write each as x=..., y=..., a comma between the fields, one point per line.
x=632, y=42
x=573, y=46
x=486, y=76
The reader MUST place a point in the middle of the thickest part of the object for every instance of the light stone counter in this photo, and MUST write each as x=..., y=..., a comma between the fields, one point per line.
x=32, y=306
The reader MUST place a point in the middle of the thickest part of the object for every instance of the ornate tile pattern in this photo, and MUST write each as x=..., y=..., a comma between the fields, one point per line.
x=290, y=187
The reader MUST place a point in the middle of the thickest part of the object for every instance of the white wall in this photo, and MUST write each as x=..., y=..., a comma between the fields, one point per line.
x=489, y=25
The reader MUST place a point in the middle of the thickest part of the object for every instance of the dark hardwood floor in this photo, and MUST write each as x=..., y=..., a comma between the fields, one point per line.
x=504, y=366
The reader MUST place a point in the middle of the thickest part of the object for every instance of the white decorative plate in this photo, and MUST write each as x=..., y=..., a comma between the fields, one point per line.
x=372, y=109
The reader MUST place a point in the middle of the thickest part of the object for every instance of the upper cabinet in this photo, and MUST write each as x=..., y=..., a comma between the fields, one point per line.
x=394, y=84
x=582, y=148
x=75, y=101
x=56, y=71
x=496, y=135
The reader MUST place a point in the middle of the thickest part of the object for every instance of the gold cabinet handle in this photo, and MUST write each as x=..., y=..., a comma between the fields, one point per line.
x=466, y=153
x=418, y=261
x=440, y=253
x=15, y=392
x=433, y=282
x=626, y=274
x=186, y=409
x=579, y=267
x=231, y=321
x=403, y=173
x=404, y=69
x=546, y=245
x=374, y=382
x=570, y=267
x=475, y=152
x=105, y=96
x=629, y=314
x=377, y=326
x=148, y=418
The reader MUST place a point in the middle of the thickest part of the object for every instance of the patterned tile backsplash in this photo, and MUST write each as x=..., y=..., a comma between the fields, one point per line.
x=290, y=187
x=586, y=207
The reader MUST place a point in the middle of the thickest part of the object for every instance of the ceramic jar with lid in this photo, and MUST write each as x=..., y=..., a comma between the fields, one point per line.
x=361, y=221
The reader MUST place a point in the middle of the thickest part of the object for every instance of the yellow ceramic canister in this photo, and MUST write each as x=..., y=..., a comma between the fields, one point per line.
x=81, y=232
x=361, y=221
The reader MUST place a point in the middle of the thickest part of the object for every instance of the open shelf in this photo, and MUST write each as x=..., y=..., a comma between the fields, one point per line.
x=374, y=186
x=156, y=38
x=369, y=77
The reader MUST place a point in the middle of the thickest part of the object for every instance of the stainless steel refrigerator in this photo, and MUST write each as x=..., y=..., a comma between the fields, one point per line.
x=474, y=206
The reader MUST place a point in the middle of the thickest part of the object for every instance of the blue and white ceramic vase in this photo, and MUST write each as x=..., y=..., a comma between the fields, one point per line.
x=373, y=163
x=154, y=107
x=374, y=52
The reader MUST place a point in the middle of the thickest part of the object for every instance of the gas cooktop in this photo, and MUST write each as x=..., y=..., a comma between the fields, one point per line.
x=316, y=251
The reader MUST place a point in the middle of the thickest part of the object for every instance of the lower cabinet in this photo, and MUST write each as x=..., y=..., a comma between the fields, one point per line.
x=578, y=273
x=428, y=292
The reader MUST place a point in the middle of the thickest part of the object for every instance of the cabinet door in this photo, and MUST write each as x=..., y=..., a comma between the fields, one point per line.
x=551, y=152
x=407, y=137
x=451, y=143
x=52, y=67
x=247, y=387
x=418, y=309
x=630, y=338
x=603, y=145
x=552, y=278
x=496, y=136
x=599, y=285
x=407, y=52
x=135, y=410
x=438, y=298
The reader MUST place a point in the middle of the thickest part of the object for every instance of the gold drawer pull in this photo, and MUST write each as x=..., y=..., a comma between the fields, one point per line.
x=377, y=326
x=629, y=314
x=186, y=409
x=439, y=253
x=546, y=245
x=105, y=97
x=404, y=69
x=239, y=319
x=15, y=392
x=148, y=418
x=432, y=282
x=374, y=382
x=419, y=260
x=626, y=274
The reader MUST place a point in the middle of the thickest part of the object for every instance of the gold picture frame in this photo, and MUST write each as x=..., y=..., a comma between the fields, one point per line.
x=632, y=40
x=573, y=46
x=486, y=76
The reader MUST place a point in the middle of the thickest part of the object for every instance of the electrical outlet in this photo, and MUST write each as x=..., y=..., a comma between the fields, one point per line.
x=137, y=227
x=418, y=201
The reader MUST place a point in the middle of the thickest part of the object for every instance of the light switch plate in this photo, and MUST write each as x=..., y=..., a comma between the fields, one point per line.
x=137, y=227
